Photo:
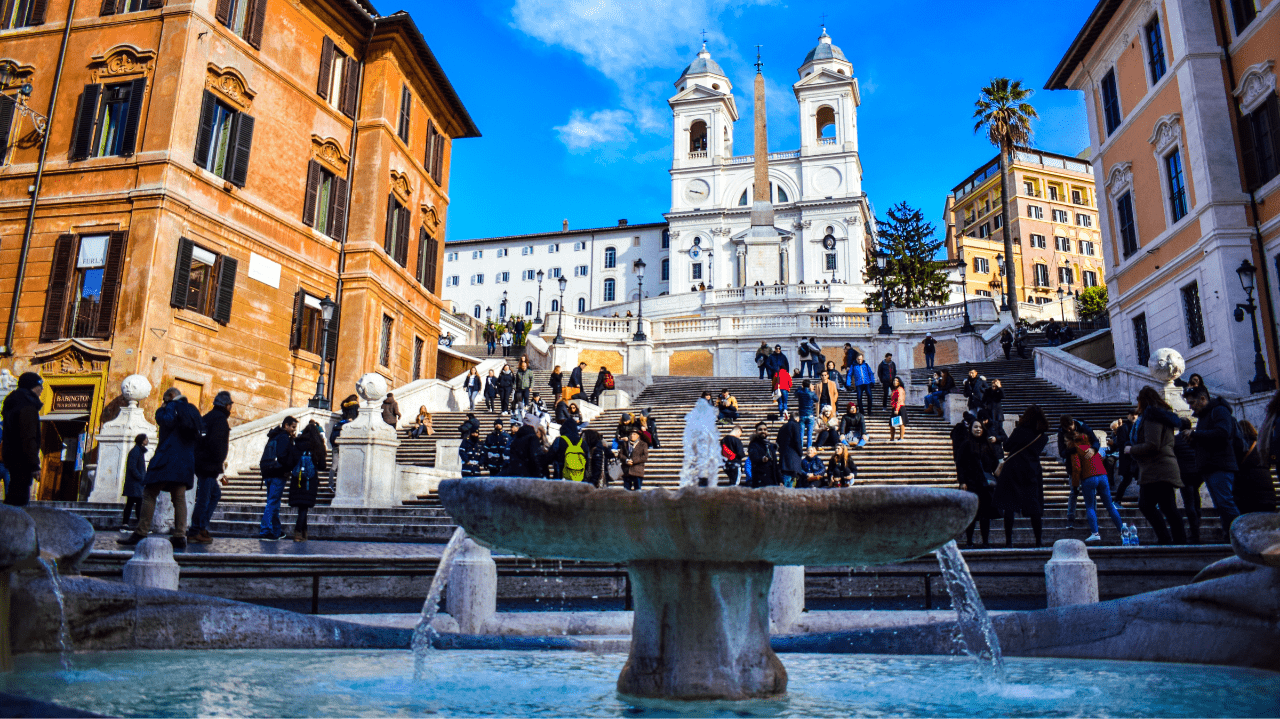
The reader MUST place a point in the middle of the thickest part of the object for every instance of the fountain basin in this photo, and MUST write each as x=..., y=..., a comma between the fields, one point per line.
x=701, y=560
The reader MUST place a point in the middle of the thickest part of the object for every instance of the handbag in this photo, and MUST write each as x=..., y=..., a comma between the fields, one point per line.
x=614, y=469
x=1000, y=464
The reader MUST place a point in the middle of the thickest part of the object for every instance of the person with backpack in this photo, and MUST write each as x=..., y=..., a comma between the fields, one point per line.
x=468, y=425
x=807, y=406
x=526, y=457
x=733, y=452
x=304, y=478
x=524, y=384
x=806, y=363
x=930, y=350
x=567, y=458
x=604, y=381
x=472, y=454
x=497, y=447
x=172, y=467
x=817, y=360
x=211, y=456
x=278, y=460
x=762, y=360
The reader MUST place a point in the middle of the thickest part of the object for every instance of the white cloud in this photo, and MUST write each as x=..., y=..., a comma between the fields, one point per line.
x=602, y=127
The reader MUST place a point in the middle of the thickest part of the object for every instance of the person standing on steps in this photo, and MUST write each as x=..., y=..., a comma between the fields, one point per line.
x=830, y=386
x=1253, y=490
x=1020, y=484
x=524, y=383
x=211, y=458
x=135, y=471
x=973, y=388
x=491, y=391
x=993, y=402
x=575, y=381
x=849, y=355
x=977, y=456
x=806, y=362
x=1068, y=427
x=496, y=449
x=1020, y=343
x=734, y=453
x=279, y=458
x=897, y=409
x=781, y=386
x=506, y=384
x=1006, y=343
x=807, y=405
x=304, y=483
x=469, y=425
x=763, y=459
x=1088, y=470
x=930, y=350
x=633, y=453
x=762, y=360
x=507, y=340
x=556, y=383
x=391, y=411
x=473, y=386
x=1191, y=479
x=863, y=382
x=471, y=454
x=21, y=452
x=1126, y=468
x=790, y=451
x=604, y=381
x=1214, y=439
x=778, y=362
x=172, y=467
x=886, y=372
x=1158, y=475
x=818, y=361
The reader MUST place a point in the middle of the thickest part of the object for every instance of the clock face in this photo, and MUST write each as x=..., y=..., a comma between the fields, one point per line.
x=697, y=191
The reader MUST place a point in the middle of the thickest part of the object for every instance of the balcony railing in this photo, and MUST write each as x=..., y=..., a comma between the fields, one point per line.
x=698, y=155
x=744, y=159
x=826, y=140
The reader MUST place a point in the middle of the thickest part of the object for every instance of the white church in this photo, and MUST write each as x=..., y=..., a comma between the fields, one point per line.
x=821, y=216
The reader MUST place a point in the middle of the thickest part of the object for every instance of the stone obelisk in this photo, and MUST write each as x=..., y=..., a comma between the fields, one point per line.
x=762, y=241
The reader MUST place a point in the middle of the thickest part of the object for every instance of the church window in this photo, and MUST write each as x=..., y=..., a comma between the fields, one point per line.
x=475, y=311
x=782, y=195
x=555, y=305
x=528, y=307
x=698, y=136
x=826, y=124
x=742, y=201
x=610, y=258
x=831, y=262
x=610, y=290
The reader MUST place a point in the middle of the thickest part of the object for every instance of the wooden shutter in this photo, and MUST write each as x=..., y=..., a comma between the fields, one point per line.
x=226, y=289
x=402, y=239
x=129, y=140
x=242, y=137
x=338, y=208
x=108, y=7
x=314, y=177
x=204, y=136
x=350, y=87
x=422, y=261
x=432, y=254
x=223, y=12
x=55, y=300
x=389, y=234
x=295, y=332
x=111, y=276
x=433, y=139
x=37, y=13
x=331, y=339
x=86, y=118
x=257, y=19
x=181, y=273
x=7, y=106
x=406, y=105
x=326, y=68
x=1248, y=152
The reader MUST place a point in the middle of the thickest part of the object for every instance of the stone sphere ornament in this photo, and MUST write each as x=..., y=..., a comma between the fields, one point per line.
x=135, y=388
x=372, y=387
x=1167, y=365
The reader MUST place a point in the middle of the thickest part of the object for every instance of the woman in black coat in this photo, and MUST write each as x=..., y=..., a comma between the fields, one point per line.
x=993, y=401
x=506, y=385
x=1020, y=486
x=490, y=390
x=978, y=454
x=556, y=383
x=303, y=489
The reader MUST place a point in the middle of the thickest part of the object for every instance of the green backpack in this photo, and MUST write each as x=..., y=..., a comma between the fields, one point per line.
x=575, y=461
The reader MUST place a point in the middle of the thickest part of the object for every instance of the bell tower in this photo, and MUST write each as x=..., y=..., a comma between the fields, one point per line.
x=829, y=99
x=703, y=113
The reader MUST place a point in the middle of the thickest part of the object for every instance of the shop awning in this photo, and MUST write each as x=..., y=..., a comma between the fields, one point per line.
x=64, y=417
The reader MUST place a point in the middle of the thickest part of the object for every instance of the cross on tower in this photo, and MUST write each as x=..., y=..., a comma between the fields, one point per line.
x=759, y=64
x=824, y=21
x=704, y=37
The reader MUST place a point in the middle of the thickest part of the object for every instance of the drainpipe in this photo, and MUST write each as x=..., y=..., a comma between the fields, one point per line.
x=1224, y=43
x=7, y=349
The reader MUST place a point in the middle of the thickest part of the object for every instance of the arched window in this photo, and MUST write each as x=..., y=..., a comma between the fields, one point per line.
x=610, y=258
x=728, y=142
x=582, y=304
x=742, y=201
x=528, y=308
x=609, y=290
x=476, y=311
x=826, y=122
x=555, y=305
x=502, y=309
x=698, y=136
x=782, y=195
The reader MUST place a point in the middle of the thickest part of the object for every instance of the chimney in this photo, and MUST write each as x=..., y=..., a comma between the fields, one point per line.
x=564, y=226
x=622, y=222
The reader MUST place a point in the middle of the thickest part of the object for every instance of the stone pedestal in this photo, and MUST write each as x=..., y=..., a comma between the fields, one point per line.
x=367, y=473
x=614, y=399
x=152, y=565
x=116, y=440
x=447, y=459
x=472, y=589
x=701, y=631
x=1070, y=577
x=955, y=405
x=762, y=262
x=786, y=598
x=640, y=360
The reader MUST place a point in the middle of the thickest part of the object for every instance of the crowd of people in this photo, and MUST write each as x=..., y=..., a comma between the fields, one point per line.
x=508, y=334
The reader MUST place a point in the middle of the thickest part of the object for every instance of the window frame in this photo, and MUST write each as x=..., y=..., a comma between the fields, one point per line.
x=609, y=290
x=1129, y=240
x=610, y=258
x=1177, y=204
x=1193, y=313
x=385, y=340
x=1260, y=146
x=1035, y=212
x=1109, y=94
x=221, y=283
x=238, y=138
x=1141, y=339
x=1040, y=274
x=1153, y=48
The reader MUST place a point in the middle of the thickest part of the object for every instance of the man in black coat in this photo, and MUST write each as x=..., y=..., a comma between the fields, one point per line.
x=764, y=458
x=790, y=450
x=973, y=388
x=135, y=470
x=885, y=373
x=575, y=377
x=211, y=455
x=527, y=456
x=22, y=438
x=931, y=350
x=172, y=467
x=469, y=425
x=279, y=458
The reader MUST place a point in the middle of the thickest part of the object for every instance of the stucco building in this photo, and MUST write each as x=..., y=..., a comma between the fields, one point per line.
x=210, y=171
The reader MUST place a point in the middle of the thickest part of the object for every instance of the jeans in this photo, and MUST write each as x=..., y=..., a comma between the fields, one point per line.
x=270, y=524
x=208, y=494
x=806, y=426
x=488, y=346
x=729, y=413
x=1098, y=485
x=817, y=366
x=928, y=360
x=764, y=372
x=885, y=404
x=1191, y=503
x=859, y=391
x=934, y=399
x=1071, y=504
x=471, y=397
x=1220, y=489
x=805, y=367
x=782, y=401
x=521, y=397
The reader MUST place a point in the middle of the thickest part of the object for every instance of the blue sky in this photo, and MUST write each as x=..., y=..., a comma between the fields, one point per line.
x=571, y=95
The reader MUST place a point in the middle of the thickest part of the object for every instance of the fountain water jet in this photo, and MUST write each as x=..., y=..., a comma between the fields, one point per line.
x=424, y=634
x=56, y=584
x=976, y=633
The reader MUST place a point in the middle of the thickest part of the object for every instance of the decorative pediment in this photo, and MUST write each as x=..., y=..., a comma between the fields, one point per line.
x=698, y=92
x=1256, y=83
x=1119, y=179
x=824, y=76
x=71, y=356
x=400, y=186
x=328, y=152
x=1167, y=132
x=121, y=62
x=20, y=73
x=430, y=218
x=230, y=85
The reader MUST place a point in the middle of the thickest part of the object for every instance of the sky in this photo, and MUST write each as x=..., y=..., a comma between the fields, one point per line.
x=571, y=95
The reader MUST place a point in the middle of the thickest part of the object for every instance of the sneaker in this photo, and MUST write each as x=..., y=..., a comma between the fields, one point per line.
x=131, y=540
x=178, y=541
x=269, y=537
x=1070, y=526
x=1095, y=537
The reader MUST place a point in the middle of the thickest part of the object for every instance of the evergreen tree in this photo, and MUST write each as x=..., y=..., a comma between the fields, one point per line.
x=1093, y=302
x=913, y=278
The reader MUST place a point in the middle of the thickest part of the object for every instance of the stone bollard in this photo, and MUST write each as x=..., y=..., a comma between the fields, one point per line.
x=472, y=590
x=447, y=459
x=786, y=598
x=152, y=565
x=1070, y=577
x=955, y=405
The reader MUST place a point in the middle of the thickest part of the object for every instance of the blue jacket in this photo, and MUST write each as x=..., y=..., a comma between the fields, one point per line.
x=472, y=453
x=777, y=361
x=813, y=465
x=175, y=457
x=862, y=374
x=807, y=399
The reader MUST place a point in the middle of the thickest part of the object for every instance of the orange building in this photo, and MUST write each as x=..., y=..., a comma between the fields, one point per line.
x=1185, y=139
x=208, y=173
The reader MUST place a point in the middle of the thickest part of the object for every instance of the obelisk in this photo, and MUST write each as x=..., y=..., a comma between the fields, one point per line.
x=762, y=241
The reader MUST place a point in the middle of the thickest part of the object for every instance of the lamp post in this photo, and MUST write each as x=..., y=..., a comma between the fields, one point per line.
x=1062, y=307
x=319, y=400
x=967, y=327
x=559, y=340
x=1260, y=382
x=538, y=318
x=502, y=308
x=488, y=314
x=638, y=268
x=1004, y=299
x=882, y=261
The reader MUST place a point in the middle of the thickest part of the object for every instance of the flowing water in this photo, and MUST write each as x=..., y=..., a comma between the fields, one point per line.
x=702, y=458
x=424, y=634
x=977, y=636
x=64, y=636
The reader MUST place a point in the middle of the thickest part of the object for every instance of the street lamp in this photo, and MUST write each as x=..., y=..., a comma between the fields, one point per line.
x=1260, y=382
x=964, y=296
x=502, y=308
x=1004, y=299
x=1062, y=306
x=320, y=401
x=882, y=261
x=559, y=340
x=538, y=318
x=638, y=268
x=488, y=314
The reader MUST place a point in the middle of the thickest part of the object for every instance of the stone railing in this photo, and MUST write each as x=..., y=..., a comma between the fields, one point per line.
x=698, y=155
x=826, y=140
x=748, y=159
x=740, y=300
x=249, y=439
x=599, y=326
x=700, y=326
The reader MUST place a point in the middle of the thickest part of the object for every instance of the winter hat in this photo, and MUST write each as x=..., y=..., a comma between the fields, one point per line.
x=222, y=399
x=29, y=380
x=531, y=420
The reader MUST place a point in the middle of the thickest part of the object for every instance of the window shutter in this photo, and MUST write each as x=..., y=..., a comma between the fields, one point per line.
x=402, y=238
x=389, y=234
x=55, y=301
x=1248, y=152
x=331, y=339
x=108, y=7
x=7, y=106
x=242, y=134
x=350, y=86
x=258, y=18
x=314, y=176
x=432, y=255
x=204, y=136
x=182, y=273
x=86, y=118
x=326, y=68
x=338, y=211
x=406, y=105
x=226, y=289
x=431, y=141
x=422, y=260
x=223, y=12
x=295, y=332
x=37, y=13
x=130, y=138
x=111, y=284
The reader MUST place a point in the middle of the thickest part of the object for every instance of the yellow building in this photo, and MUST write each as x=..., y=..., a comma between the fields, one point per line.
x=1055, y=227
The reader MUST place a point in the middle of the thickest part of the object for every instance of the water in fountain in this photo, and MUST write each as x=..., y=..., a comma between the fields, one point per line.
x=424, y=634
x=702, y=457
x=976, y=633
x=63, y=634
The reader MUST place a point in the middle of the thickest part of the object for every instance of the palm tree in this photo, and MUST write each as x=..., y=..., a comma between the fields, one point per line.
x=1003, y=111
